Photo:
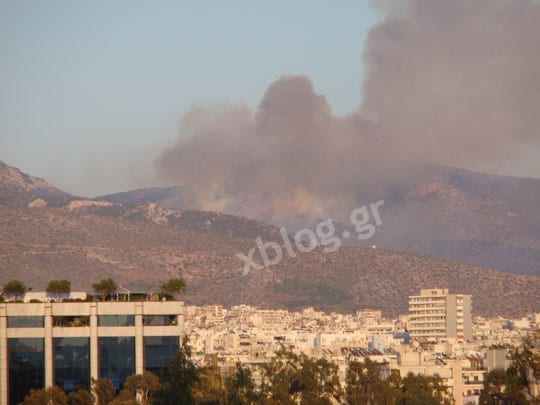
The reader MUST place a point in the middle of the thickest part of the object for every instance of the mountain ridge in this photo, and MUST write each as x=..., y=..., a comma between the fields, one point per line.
x=486, y=220
x=18, y=189
x=40, y=244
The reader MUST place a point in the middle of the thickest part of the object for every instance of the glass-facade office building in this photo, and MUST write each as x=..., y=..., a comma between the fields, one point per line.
x=26, y=366
x=72, y=363
x=68, y=344
x=116, y=358
x=159, y=351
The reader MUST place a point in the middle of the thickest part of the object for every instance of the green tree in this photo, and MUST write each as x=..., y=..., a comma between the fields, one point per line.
x=179, y=379
x=105, y=287
x=495, y=390
x=291, y=379
x=208, y=389
x=389, y=391
x=365, y=385
x=58, y=287
x=240, y=388
x=80, y=397
x=103, y=390
x=124, y=401
x=424, y=390
x=513, y=385
x=140, y=388
x=47, y=396
x=362, y=379
x=524, y=366
x=173, y=286
x=15, y=288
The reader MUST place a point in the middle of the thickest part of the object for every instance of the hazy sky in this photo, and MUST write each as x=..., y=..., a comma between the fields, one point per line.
x=92, y=91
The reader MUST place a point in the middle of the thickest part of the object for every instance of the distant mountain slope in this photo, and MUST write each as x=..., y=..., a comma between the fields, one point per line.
x=200, y=221
x=18, y=189
x=166, y=197
x=37, y=245
x=480, y=219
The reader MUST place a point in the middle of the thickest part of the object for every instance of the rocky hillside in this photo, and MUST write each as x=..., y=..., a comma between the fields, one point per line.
x=168, y=197
x=18, y=189
x=201, y=221
x=39, y=244
x=480, y=219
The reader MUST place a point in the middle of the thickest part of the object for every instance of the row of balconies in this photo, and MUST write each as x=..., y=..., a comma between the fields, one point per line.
x=415, y=321
x=427, y=327
x=24, y=321
x=427, y=305
x=422, y=333
x=425, y=315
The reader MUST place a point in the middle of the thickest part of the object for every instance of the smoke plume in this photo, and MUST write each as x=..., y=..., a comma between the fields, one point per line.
x=451, y=82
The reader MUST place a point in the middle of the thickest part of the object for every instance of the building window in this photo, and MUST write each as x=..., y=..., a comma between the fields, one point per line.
x=159, y=320
x=116, y=358
x=72, y=363
x=159, y=351
x=71, y=321
x=26, y=367
x=26, y=322
x=116, y=320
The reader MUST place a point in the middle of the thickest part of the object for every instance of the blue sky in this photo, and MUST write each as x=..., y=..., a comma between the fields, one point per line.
x=92, y=91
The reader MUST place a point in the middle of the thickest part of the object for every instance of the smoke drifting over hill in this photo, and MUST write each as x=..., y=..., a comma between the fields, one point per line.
x=451, y=82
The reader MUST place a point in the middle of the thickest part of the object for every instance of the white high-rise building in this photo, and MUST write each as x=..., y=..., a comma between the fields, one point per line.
x=435, y=314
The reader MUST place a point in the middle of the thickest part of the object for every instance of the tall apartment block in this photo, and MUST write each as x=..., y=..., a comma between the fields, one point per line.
x=435, y=315
x=67, y=344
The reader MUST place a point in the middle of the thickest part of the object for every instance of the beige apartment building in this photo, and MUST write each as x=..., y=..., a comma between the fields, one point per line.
x=68, y=344
x=435, y=315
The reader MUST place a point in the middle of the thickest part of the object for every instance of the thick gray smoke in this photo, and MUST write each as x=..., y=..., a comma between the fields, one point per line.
x=454, y=82
x=283, y=159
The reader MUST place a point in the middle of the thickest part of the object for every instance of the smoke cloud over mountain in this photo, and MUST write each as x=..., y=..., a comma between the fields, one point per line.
x=451, y=82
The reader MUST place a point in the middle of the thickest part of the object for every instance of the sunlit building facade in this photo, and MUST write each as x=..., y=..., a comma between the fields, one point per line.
x=68, y=344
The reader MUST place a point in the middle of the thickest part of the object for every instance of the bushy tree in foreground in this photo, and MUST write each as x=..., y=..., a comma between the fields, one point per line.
x=58, y=287
x=80, y=397
x=179, y=379
x=14, y=288
x=513, y=386
x=103, y=390
x=138, y=388
x=208, y=389
x=291, y=379
x=48, y=396
x=425, y=390
x=105, y=287
x=173, y=286
x=365, y=385
x=240, y=387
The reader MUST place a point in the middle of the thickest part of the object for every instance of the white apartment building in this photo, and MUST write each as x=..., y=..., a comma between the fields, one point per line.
x=68, y=344
x=435, y=315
